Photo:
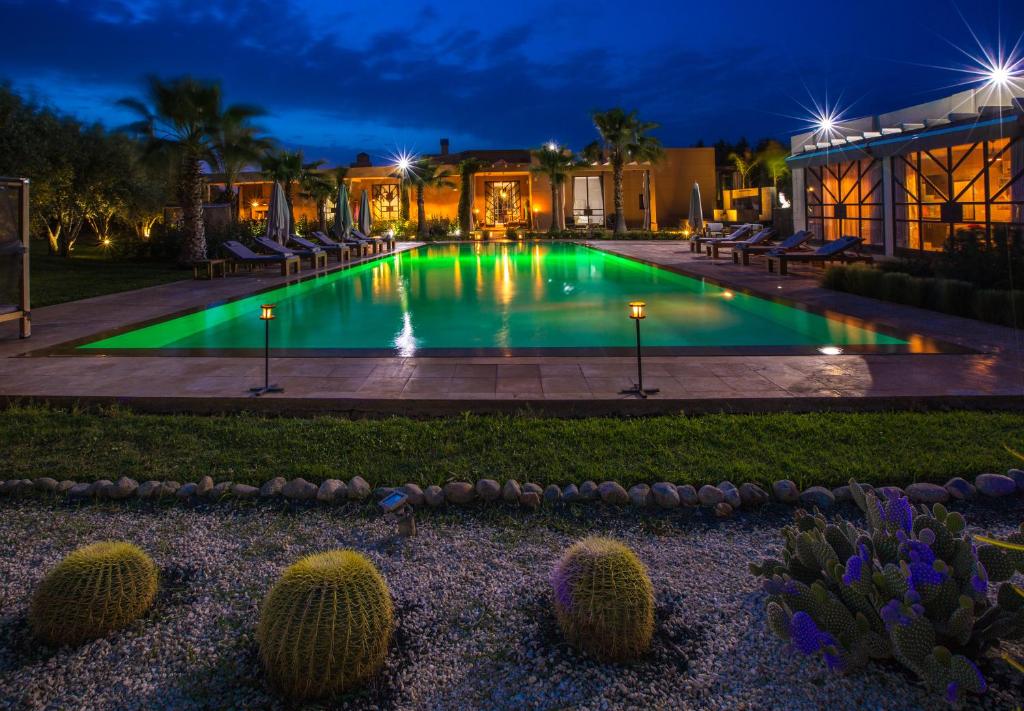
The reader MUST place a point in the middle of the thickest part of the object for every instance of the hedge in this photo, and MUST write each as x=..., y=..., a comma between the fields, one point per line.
x=951, y=296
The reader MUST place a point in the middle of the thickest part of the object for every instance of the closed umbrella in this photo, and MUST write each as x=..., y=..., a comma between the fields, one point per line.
x=343, y=213
x=364, y=214
x=696, y=211
x=278, y=219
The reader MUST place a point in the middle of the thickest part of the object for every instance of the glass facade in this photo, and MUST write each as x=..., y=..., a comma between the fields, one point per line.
x=503, y=204
x=588, y=200
x=977, y=187
x=846, y=199
x=385, y=202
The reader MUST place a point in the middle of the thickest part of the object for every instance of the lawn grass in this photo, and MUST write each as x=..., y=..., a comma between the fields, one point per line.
x=90, y=272
x=824, y=448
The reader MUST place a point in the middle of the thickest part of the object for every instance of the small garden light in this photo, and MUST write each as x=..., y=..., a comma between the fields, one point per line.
x=638, y=312
x=266, y=316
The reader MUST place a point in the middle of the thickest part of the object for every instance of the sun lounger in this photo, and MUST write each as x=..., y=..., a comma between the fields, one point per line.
x=742, y=232
x=380, y=243
x=355, y=247
x=792, y=243
x=339, y=250
x=238, y=253
x=317, y=257
x=834, y=251
x=763, y=237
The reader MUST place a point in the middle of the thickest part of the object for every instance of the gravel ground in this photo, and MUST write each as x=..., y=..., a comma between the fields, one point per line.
x=474, y=622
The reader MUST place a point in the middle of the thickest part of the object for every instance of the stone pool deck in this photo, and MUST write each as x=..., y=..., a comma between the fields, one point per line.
x=993, y=377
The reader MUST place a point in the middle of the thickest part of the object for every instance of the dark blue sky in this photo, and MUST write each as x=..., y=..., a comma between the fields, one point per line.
x=336, y=79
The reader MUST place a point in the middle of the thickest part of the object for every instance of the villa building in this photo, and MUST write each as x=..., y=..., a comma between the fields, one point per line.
x=507, y=193
x=907, y=181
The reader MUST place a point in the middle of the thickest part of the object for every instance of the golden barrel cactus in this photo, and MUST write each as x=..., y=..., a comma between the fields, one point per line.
x=97, y=589
x=604, y=600
x=325, y=625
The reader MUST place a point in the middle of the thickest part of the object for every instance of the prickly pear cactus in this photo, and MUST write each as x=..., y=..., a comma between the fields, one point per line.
x=912, y=587
x=95, y=590
x=604, y=600
x=325, y=625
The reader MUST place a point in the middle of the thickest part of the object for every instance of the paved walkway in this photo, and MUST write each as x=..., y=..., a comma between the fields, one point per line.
x=993, y=377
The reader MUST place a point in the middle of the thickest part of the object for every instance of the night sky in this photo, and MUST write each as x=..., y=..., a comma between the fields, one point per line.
x=392, y=74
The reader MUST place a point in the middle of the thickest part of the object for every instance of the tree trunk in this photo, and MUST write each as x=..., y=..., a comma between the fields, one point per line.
x=403, y=200
x=193, y=248
x=466, y=206
x=321, y=215
x=561, y=206
x=421, y=213
x=229, y=188
x=620, y=215
x=647, y=201
x=554, y=205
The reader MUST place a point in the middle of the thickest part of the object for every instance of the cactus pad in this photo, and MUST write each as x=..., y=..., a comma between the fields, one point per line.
x=95, y=590
x=325, y=625
x=604, y=600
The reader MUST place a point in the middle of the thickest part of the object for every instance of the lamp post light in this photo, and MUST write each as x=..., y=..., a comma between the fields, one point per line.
x=266, y=316
x=638, y=313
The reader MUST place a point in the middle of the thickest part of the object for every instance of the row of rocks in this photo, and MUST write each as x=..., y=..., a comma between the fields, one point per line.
x=723, y=498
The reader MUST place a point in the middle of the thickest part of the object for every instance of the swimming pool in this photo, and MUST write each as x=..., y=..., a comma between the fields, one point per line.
x=501, y=298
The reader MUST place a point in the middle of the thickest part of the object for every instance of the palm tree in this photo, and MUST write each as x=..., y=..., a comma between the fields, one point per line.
x=773, y=158
x=556, y=164
x=319, y=187
x=287, y=167
x=179, y=120
x=467, y=169
x=744, y=165
x=619, y=132
x=235, y=146
x=422, y=174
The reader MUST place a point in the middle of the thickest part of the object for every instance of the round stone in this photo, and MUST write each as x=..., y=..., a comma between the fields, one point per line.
x=488, y=489
x=961, y=489
x=186, y=491
x=1016, y=474
x=640, y=495
x=46, y=484
x=122, y=488
x=818, y=496
x=995, y=485
x=433, y=495
x=843, y=493
x=571, y=494
x=220, y=490
x=588, y=491
x=723, y=510
x=511, y=492
x=688, y=495
x=358, y=489
x=753, y=495
x=710, y=495
x=530, y=500
x=535, y=488
x=552, y=494
x=459, y=492
x=273, y=487
x=149, y=489
x=665, y=495
x=244, y=491
x=924, y=493
x=612, y=493
x=204, y=485
x=332, y=490
x=786, y=491
x=300, y=490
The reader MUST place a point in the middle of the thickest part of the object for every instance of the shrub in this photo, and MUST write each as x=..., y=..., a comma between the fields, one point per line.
x=895, y=287
x=339, y=646
x=912, y=587
x=604, y=600
x=835, y=278
x=999, y=306
x=953, y=296
x=95, y=590
x=865, y=280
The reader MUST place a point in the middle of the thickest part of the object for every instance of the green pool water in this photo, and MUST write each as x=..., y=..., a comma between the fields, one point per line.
x=502, y=297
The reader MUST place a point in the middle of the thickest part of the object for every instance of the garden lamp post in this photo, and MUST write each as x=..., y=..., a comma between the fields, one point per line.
x=637, y=313
x=266, y=316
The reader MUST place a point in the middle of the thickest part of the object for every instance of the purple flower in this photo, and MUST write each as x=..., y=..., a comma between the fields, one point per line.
x=892, y=614
x=806, y=635
x=979, y=584
x=952, y=692
x=834, y=661
x=982, y=684
x=855, y=566
x=922, y=565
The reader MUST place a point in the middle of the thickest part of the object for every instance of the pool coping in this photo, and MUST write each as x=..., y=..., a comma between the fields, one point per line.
x=917, y=344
